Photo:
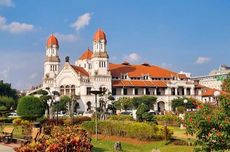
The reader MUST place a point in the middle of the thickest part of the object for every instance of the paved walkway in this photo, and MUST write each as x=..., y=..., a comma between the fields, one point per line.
x=7, y=147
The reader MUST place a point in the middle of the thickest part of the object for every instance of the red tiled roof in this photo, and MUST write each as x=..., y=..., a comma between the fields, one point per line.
x=52, y=40
x=140, y=70
x=86, y=55
x=207, y=92
x=99, y=35
x=138, y=83
x=182, y=76
x=80, y=70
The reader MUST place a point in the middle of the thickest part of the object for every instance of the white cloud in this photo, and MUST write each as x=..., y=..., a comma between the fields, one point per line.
x=33, y=76
x=8, y=3
x=66, y=37
x=202, y=60
x=14, y=27
x=133, y=58
x=82, y=21
x=166, y=65
x=4, y=74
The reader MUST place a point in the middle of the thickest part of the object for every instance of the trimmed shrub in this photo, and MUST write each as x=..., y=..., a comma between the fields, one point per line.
x=30, y=107
x=139, y=130
x=121, y=117
x=76, y=120
x=172, y=120
x=6, y=120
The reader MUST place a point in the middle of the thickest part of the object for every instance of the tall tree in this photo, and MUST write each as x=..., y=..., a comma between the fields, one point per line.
x=211, y=126
x=123, y=103
x=6, y=90
x=147, y=100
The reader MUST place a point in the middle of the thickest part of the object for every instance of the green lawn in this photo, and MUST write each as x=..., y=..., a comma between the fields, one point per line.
x=107, y=146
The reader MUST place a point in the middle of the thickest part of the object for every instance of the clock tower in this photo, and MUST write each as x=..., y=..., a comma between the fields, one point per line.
x=52, y=62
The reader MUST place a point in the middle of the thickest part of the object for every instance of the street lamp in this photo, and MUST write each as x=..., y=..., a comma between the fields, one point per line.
x=216, y=95
x=185, y=102
x=55, y=98
x=96, y=92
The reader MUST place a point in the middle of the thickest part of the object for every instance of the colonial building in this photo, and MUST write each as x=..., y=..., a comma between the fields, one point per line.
x=93, y=70
x=215, y=78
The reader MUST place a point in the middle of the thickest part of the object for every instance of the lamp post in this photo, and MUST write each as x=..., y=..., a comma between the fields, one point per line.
x=55, y=98
x=216, y=95
x=96, y=92
x=183, y=115
x=185, y=103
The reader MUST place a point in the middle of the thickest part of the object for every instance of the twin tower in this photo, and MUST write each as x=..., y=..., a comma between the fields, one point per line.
x=98, y=63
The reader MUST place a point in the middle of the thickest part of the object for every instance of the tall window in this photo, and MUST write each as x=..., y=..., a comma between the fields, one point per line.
x=125, y=91
x=88, y=89
x=67, y=90
x=73, y=90
x=136, y=91
x=62, y=90
x=114, y=91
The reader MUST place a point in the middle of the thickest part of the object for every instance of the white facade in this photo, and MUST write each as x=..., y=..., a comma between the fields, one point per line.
x=93, y=71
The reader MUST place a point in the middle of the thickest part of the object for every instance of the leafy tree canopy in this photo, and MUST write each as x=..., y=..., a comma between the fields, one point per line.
x=61, y=105
x=179, y=102
x=147, y=100
x=30, y=107
x=123, y=103
x=6, y=90
x=211, y=126
x=8, y=102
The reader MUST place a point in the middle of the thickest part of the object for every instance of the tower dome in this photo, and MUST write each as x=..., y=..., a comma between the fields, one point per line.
x=99, y=35
x=52, y=40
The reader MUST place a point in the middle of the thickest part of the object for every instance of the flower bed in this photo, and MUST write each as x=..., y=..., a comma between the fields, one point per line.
x=62, y=139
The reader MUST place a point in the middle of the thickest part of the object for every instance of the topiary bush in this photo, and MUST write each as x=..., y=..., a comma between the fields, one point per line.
x=30, y=107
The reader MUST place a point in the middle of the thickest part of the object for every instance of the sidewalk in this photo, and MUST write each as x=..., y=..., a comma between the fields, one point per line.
x=7, y=147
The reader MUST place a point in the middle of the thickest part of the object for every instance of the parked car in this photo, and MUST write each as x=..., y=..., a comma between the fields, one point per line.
x=13, y=114
x=126, y=113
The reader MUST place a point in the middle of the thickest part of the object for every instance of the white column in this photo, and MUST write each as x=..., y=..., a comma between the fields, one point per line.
x=155, y=91
x=133, y=91
x=144, y=91
x=176, y=93
x=192, y=91
x=122, y=91
x=185, y=91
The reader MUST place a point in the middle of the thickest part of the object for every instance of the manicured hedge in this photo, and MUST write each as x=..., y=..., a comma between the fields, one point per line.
x=139, y=130
x=6, y=120
x=170, y=119
x=121, y=117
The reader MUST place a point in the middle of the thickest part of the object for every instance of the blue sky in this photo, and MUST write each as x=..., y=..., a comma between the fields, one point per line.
x=188, y=35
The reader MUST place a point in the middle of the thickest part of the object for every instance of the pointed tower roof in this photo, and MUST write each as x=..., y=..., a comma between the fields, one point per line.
x=86, y=55
x=99, y=35
x=52, y=40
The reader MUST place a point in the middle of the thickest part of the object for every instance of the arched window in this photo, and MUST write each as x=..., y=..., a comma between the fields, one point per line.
x=72, y=90
x=62, y=90
x=88, y=106
x=67, y=90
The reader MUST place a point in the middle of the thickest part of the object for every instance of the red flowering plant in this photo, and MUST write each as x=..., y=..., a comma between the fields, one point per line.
x=211, y=126
x=62, y=139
